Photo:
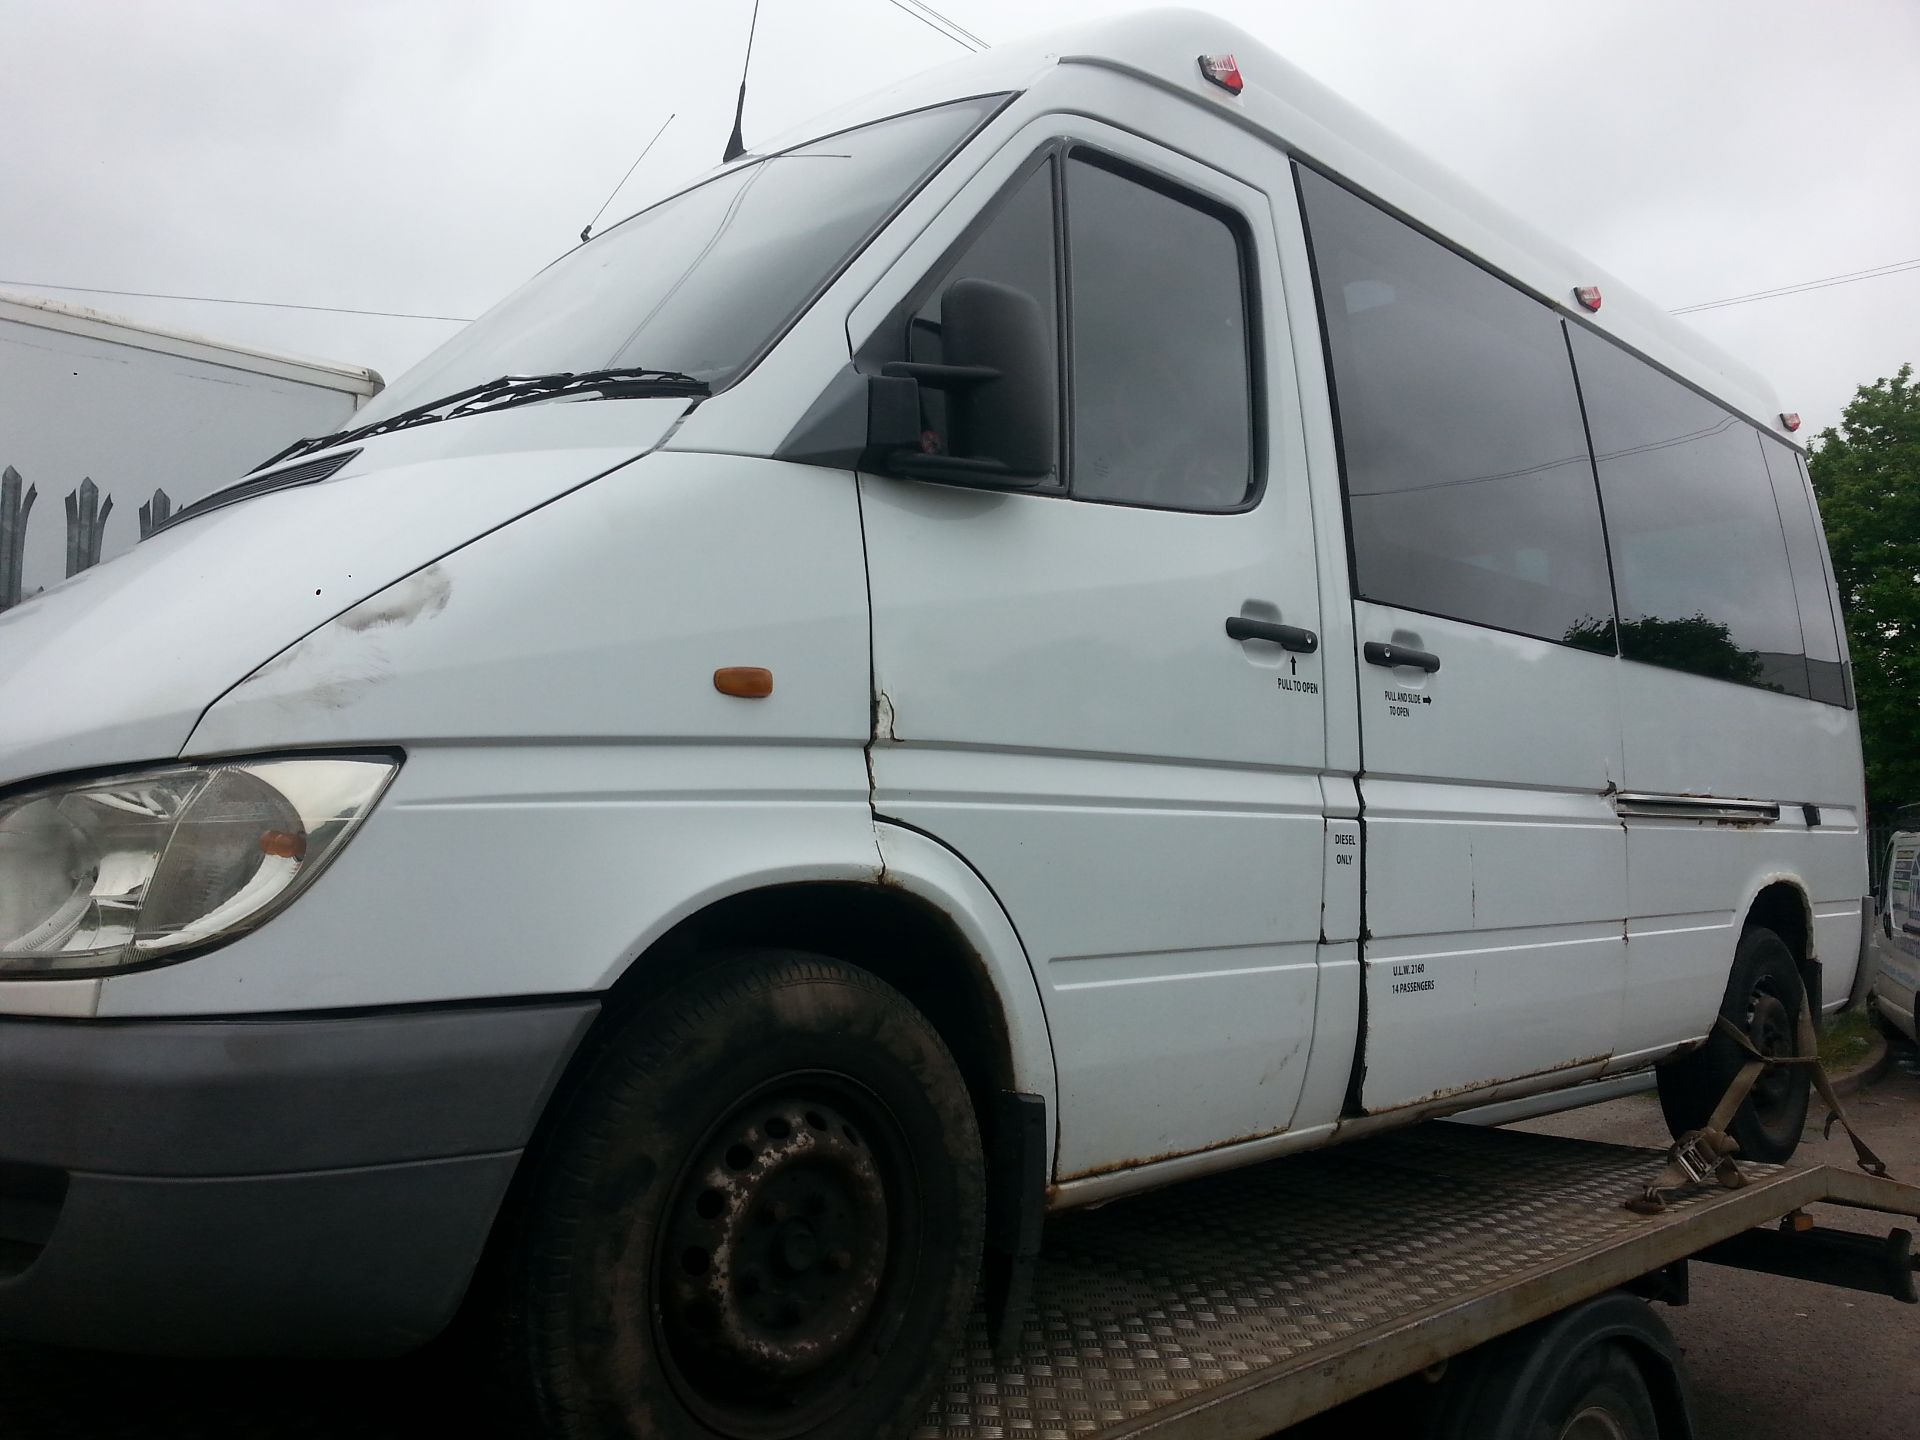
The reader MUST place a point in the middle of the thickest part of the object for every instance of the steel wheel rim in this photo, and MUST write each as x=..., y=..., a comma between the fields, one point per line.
x=1771, y=1029
x=1596, y=1422
x=785, y=1242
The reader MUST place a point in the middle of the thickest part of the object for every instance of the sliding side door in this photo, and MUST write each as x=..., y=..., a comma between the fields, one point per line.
x=1489, y=720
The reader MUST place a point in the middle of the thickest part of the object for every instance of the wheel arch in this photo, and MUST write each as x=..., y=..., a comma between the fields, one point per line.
x=916, y=915
x=1781, y=904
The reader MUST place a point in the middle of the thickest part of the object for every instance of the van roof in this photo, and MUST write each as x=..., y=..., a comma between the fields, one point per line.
x=1301, y=116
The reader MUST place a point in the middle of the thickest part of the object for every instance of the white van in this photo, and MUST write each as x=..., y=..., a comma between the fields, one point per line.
x=1896, y=951
x=1090, y=620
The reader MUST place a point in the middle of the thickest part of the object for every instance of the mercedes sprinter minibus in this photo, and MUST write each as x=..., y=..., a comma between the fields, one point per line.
x=1090, y=619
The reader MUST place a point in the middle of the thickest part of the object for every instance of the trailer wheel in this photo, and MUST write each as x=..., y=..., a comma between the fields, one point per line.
x=760, y=1216
x=1604, y=1398
x=1605, y=1370
x=1764, y=999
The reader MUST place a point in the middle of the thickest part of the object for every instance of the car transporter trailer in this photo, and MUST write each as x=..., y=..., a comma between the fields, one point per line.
x=1508, y=1269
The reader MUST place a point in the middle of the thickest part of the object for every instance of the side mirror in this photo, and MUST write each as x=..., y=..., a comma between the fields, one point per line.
x=1002, y=389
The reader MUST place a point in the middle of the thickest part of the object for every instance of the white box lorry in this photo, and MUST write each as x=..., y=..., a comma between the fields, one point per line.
x=107, y=426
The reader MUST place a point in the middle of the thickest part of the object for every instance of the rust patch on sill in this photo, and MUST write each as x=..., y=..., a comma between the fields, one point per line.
x=1142, y=1162
x=1457, y=1092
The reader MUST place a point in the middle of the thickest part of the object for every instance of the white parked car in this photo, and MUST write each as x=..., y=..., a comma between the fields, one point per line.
x=1896, y=949
x=1092, y=619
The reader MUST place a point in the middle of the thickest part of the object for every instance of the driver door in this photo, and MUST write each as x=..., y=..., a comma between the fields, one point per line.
x=1058, y=695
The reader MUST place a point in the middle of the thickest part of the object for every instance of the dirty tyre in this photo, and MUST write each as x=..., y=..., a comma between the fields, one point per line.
x=1603, y=1396
x=759, y=1217
x=1586, y=1373
x=1764, y=998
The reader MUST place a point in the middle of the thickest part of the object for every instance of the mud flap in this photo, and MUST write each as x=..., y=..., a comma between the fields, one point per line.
x=1016, y=1209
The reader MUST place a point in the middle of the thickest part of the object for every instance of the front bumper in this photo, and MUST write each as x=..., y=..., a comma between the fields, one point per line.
x=313, y=1185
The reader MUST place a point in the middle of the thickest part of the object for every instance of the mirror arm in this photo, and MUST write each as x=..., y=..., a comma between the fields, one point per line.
x=939, y=377
x=958, y=469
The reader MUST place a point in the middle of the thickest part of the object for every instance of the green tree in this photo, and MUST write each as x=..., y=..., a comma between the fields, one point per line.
x=1867, y=477
x=1693, y=643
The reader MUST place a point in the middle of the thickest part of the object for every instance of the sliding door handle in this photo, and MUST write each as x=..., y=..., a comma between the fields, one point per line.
x=1380, y=653
x=1240, y=627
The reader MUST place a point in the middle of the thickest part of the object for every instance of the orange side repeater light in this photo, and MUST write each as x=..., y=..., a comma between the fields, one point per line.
x=749, y=682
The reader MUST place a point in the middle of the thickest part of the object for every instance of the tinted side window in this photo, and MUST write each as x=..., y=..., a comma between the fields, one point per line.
x=1700, y=563
x=1826, y=672
x=1469, y=488
x=1015, y=247
x=1162, y=386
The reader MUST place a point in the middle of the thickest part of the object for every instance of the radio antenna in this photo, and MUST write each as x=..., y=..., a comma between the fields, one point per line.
x=586, y=234
x=736, y=147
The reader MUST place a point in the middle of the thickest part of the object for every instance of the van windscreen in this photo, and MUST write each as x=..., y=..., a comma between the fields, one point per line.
x=704, y=281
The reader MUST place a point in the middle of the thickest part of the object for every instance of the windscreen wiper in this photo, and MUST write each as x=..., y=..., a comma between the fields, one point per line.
x=509, y=390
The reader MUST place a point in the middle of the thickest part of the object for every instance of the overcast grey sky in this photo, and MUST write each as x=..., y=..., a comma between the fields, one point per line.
x=428, y=155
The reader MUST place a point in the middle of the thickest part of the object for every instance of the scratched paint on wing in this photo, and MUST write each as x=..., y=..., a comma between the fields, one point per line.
x=420, y=596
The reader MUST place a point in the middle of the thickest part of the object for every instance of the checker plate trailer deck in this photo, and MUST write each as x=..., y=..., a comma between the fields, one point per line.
x=1446, y=1257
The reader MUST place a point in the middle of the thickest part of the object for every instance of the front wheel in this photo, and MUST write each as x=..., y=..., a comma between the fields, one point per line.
x=1764, y=999
x=760, y=1217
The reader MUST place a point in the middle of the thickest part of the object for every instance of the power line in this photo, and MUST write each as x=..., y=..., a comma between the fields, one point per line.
x=950, y=23
x=1852, y=277
x=933, y=25
x=226, y=300
x=936, y=26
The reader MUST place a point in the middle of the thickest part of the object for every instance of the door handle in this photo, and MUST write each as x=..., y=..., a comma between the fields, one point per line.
x=1240, y=627
x=1380, y=653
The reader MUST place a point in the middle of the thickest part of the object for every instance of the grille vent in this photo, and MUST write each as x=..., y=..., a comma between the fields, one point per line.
x=307, y=472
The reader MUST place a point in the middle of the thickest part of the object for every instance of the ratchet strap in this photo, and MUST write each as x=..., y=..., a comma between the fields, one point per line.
x=1707, y=1153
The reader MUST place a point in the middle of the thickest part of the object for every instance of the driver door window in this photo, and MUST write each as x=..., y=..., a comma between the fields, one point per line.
x=1162, y=390
x=1158, y=365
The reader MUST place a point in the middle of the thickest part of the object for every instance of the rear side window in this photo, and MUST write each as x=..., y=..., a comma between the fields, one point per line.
x=1819, y=627
x=1470, y=492
x=1162, y=391
x=1700, y=560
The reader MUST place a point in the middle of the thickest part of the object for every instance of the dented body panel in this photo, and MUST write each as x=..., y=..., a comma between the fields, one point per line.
x=601, y=617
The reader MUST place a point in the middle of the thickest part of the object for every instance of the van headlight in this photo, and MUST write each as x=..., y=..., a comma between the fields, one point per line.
x=115, y=873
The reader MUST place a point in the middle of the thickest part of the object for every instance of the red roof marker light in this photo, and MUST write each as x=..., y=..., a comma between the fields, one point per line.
x=1224, y=71
x=1790, y=419
x=1588, y=296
